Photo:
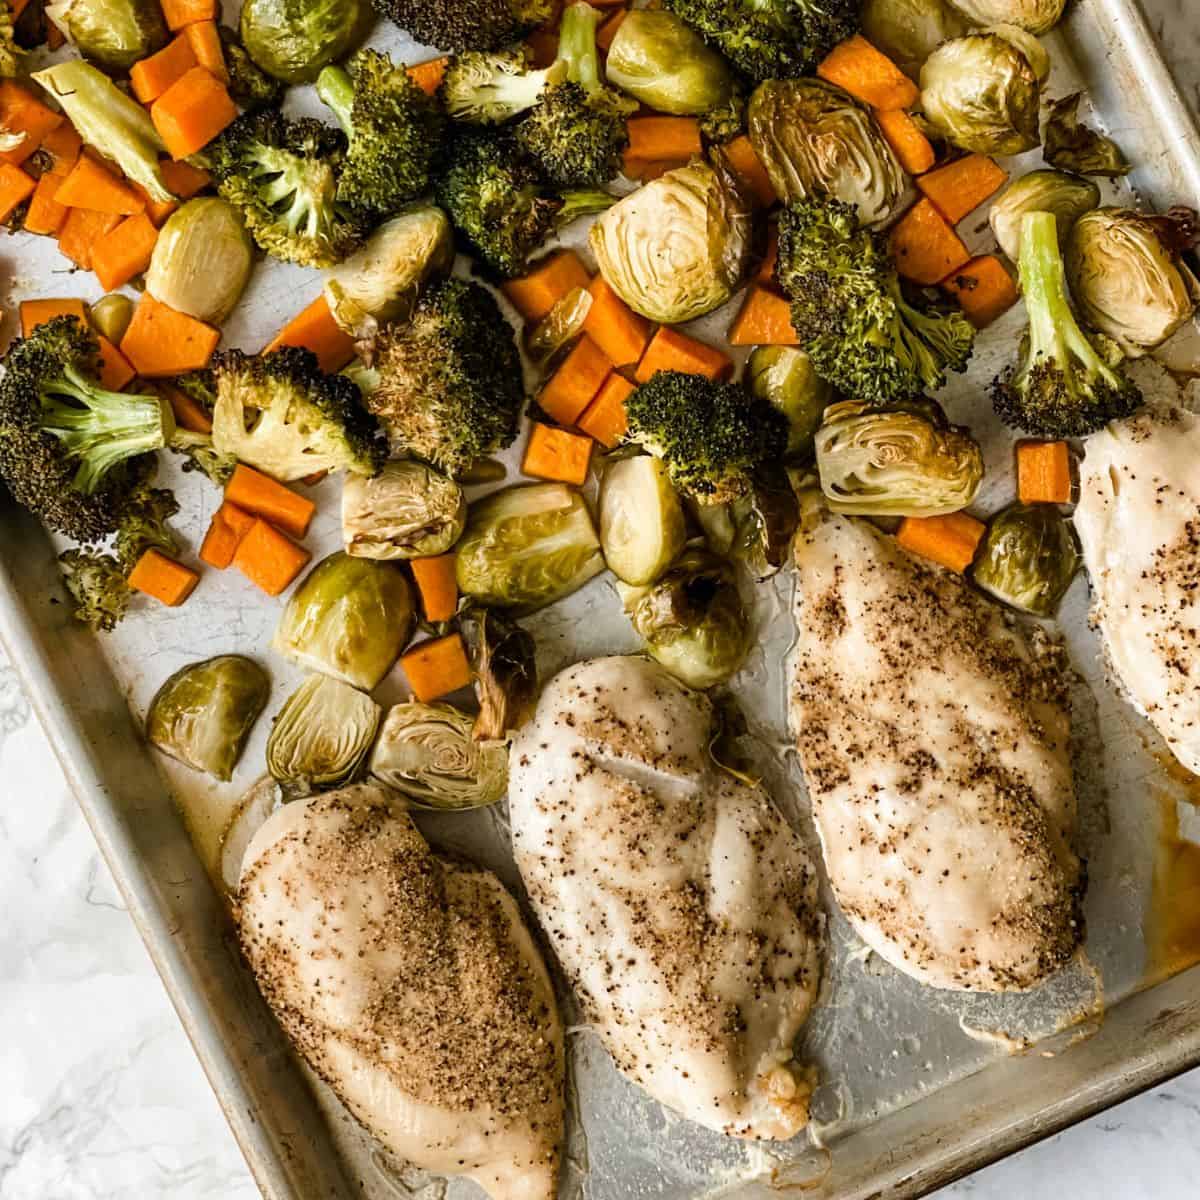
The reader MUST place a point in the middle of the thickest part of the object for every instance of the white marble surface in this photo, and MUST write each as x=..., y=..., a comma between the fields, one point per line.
x=100, y=1095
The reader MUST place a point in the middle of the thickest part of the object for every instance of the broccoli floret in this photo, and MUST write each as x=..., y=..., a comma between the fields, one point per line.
x=713, y=437
x=10, y=52
x=497, y=199
x=447, y=385
x=467, y=24
x=489, y=88
x=281, y=413
x=98, y=586
x=394, y=130
x=723, y=124
x=72, y=452
x=145, y=526
x=248, y=84
x=283, y=178
x=576, y=137
x=771, y=39
x=1063, y=386
x=850, y=313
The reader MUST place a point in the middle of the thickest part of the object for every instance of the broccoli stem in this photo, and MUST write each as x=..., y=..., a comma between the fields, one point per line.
x=577, y=45
x=336, y=90
x=582, y=202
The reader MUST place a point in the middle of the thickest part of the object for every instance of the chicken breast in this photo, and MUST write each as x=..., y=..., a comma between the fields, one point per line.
x=934, y=740
x=681, y=905
x=1139, y=522
x=411, y=986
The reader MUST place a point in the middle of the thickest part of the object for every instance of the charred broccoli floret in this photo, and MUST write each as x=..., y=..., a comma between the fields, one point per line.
x=393, y=126
x=283, y=178
x=248, y=84
x=280, y=413
x=1064, y=387
x=145, y=526
x=467, y=24
x=851, y=315
x=488, y=88
x=713, y=437
x=98, y=586
x=71, y=451
x=447, y=385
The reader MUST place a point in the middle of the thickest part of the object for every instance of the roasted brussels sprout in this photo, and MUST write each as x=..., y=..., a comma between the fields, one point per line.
x=201, y=260
x=110, y=316
x=641, y=519
x=293, y=39
x=1028, y=558
x=815, y=140
x=692, y=619
x=526, y=546
x=114, y=34
x=321, y=736
x=427, y=751
x=783, y=376
x=982, y=92
x=679, y=246
x=379, y=282
x=764, y=522
x=899, y=461
x=408, y=510
x=203, y=714
x=350, y=618
x=909, y=31
x=1127, y=277
x=1067, y=196
x=1034, y=16
x=1073, y=146
x=504, y=661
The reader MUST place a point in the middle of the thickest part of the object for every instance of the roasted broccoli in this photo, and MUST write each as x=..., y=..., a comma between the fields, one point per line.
x=584, y=202
x=98, y=586
x=248, y=84
x=496, y=198
x=145, y=527
x=713, y=437
x=280, y=413
x=488, y=88
x=447, y=385
x=1063, y=387
x=771, y=39
x=850, y=313
x=10, y=53
x=72, y=452
x=394, y=130
x=283, y=177
x=467, y=24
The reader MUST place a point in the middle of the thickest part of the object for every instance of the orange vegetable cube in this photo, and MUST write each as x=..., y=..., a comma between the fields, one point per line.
x=428, y=75
x=552, y=278
x=670, y=350
x=868, y=75
x=314, y=328
x=604, y=419
x=268, y=558
x=22, y=112
x=908, y=143
x=437, y=584
x=45, y=214
x=1044, y=472
x=187, y=12
x=962, y=186
x=124, y=253
x=746, y=164
x=983, y=288
x=571, y=388
x=765, y=320
x=619, y=332
x=555, y=454
x=925, y=247
x=191, y=112
x=38, y=312
x=161, y=342
x=266, y=497
x=225, y=532
x=205, y=42
x=950, y=541
x=15, y=188
x=437, y=667
x=115, y=369
x=81, y=230
x=167, y=581
x=152, y=76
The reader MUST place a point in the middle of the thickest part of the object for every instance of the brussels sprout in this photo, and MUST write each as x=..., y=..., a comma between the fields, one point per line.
x=561, y=325
x=1068, y=197
x=1072, y=146
x=895, y=462
x=909, y=31
x=1028, y=558
x=114, y=34
x=201, y=260
x=526, y=546
x=982, y=92
x=815, y=140
x=1127, y=277
x=1034, y=16
x=203, y=714
x=350, y=618
x=504, y=660
x=380, y=282
x=321, y=736
x=293, y=39
x=783, y=376
x=692, y=619
x=641, y=519
x=679, y=246
x=427, y=752
x=111, y=314
x=408, y=510
x=661, y=61
x=764, y=522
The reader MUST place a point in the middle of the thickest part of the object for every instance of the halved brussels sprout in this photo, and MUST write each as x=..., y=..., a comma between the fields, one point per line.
x=380, y=282
x=814, y=139
x=427, y=751
x=641, y=519
x=201, y=260
x=321, y=736
x=692, y=619
x=764, y=522
x=1127, y=277
x=1028, y=558
x=679, y=246
x=504, y=660
x=350, y=618
x=909, y=31
x=293, y=39
x=111, y=314
x=526, y=546
x=895, y=462
x=114, y=34
x=1073, y=146
x=1034, y=16
x=408, y=510
x=203, y=714
x=783, y=376
x=1067, y=196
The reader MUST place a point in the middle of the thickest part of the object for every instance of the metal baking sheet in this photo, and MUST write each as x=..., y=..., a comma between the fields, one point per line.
x=918, y=1087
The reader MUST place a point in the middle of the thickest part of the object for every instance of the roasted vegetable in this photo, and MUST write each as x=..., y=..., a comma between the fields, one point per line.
x=504, y=661
x=110, y=316
x=642, y=528
x=248, y=83
x=909, y=31
x=100, y=592
x=408, y=510
x=293, y=39
x=525, y=547
x=1073, y=146
x=1034, y=16
x=203, y=714
x=482, y=88
x=1028, y=558
x=784, y=377
x=114, y=34
x=558, y=328
x=1068, y=197
x=10, y=57
x=467, y=24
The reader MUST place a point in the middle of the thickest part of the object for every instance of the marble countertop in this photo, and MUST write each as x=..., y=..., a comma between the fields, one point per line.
x=102, y=1097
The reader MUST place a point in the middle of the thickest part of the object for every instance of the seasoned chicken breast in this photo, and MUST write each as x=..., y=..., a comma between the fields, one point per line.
x=1139, y=522
x=934, y=740
x=411, y=986
x=681, y=905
